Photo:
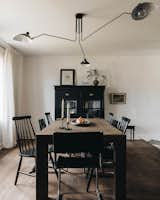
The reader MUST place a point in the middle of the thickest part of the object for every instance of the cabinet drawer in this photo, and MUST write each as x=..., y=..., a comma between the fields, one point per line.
x=68, y=93
x=92, y=93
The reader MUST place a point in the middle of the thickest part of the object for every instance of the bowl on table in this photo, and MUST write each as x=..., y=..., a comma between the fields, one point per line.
x=81, y=122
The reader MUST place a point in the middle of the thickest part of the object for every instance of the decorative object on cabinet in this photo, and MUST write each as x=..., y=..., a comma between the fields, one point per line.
x=67, y=77
x=94, y=76
x=117, y=98
x=84, y=101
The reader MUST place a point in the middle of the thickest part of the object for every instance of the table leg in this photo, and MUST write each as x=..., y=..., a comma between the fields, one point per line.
x=41, y=168
x=120, y=168
x=133, y=132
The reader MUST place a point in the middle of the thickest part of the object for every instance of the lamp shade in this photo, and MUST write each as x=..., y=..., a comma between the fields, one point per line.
x=24, y=37
x=85, y=63
x=142, y=10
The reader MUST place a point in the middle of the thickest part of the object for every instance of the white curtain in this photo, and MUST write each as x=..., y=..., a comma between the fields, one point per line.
x=7, y=104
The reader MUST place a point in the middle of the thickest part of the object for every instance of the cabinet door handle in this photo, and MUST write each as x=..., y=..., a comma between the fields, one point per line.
x=67, y=94
x=91, y=94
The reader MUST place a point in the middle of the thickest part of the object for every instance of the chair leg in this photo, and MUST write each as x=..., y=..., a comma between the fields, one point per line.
x=34, y=167
x=90, y=178
x=51, y=158
x=87, y=173
x=17, y=174
x=59, y=195
x=99, y=195
x=133, y=133
x=33, y=170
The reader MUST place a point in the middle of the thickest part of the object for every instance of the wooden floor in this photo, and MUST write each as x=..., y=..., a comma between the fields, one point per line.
x=73, y=186
x=143, y=177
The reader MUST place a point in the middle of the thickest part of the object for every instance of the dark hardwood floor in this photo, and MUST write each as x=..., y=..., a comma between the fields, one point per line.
x=143, y=177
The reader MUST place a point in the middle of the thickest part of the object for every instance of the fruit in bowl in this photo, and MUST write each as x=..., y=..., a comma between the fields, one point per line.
x=80, y=120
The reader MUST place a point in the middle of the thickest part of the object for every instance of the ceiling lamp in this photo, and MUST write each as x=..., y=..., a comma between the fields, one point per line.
x=141, y=11
x=85, y=62
x=24, y=37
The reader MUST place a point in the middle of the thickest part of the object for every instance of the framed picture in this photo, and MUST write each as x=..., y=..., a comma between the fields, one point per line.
x=117, y=98
x=67, y=77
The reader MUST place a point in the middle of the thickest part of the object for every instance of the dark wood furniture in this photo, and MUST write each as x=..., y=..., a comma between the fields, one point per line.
x=110, y=117
x=25, y=137
x=111, y=134
x=86, y=101
x=48, y=117
x=115, y=123
x=42, y=123
x=123, y=124
x=91, y=144
x=26, y=142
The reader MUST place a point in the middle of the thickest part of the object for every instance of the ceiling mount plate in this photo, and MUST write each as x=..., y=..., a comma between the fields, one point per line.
x=80, y=15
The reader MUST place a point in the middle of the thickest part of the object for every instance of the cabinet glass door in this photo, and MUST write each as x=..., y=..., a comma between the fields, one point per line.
x=72, y=106
x=93, y=108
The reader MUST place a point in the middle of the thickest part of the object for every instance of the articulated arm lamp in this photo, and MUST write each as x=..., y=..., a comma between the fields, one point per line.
x=141, y=11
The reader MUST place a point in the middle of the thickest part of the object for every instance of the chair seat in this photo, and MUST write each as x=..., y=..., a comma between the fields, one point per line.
x=32, y=152
x=29, y=153
x=77, y=162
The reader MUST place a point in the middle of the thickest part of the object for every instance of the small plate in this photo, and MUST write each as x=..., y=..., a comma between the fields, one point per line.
x=86, y=123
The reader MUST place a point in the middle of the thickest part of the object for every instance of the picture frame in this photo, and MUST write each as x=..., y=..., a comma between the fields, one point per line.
x=117, y=98
x=67, y=77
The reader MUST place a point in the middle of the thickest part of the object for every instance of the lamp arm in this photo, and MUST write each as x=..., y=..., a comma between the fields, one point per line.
x=82, y=49
x=48, y=35
x=105, y=24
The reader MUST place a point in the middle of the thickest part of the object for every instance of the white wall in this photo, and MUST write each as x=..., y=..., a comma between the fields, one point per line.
x=139, y=76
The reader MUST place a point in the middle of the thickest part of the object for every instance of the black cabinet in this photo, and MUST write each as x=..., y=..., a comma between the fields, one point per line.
x=85, y=101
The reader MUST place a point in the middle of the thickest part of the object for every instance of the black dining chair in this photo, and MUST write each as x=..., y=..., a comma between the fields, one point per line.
x=107, y=156
x=25, y=140
x=91, y=144
x=110, y=117
x=42, y=124
x=107, y=162
x=25, y=136
x=122, y=125
x=115, y=123
x=48, y=117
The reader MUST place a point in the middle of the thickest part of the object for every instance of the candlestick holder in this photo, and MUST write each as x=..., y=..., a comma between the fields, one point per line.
x=67, y=127
x=62, y=123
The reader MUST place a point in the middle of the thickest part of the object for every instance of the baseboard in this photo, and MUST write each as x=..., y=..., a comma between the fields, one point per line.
x=155, y=143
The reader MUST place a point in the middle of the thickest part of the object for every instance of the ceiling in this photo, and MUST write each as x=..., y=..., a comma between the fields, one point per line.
x=57, y=17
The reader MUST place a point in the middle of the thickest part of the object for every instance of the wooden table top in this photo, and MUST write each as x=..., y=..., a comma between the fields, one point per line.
x=97, y=125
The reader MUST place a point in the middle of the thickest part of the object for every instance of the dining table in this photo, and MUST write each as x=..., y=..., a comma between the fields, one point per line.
x=44, y=138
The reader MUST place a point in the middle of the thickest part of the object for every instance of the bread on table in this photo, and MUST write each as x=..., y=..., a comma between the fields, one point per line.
x=80, y=120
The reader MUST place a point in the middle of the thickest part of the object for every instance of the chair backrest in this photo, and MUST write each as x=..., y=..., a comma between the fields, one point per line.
x=78, y=142
x=110, y=117
x=25, y=134
x=48, y=117
x=114, y=123
x=42, y=124
x=122, y=126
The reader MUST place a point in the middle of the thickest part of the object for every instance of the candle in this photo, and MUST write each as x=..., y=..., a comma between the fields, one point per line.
x=62, y=109
x=68, y=114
